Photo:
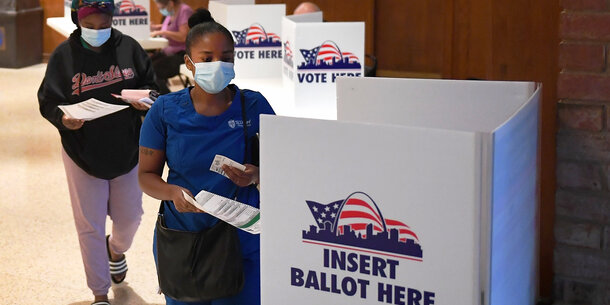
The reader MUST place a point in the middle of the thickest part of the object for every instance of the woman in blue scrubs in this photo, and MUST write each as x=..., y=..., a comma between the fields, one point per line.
x=186, y=129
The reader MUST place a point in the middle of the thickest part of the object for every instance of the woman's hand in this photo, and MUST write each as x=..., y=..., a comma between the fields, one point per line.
x=181, y=204
x=157, y=33
x=72, y=124
x=140, y=105
x=242, y=178
x=155, y=27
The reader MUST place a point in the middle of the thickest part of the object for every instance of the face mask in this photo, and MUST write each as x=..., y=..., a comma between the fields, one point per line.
x=95, y=38
x=165, y=12
x=214, y=76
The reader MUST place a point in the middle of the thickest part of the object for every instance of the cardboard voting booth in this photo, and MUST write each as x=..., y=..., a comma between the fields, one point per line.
x=316, y=53
x=422, y=192
x=131, y=17
x=256, y=30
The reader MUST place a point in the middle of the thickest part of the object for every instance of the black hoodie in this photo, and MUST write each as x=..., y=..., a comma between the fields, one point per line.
x=106, y=147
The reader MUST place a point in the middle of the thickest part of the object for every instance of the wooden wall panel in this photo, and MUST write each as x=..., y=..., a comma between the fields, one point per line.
x=409, y=36
x=342, y=10
x=513, y=40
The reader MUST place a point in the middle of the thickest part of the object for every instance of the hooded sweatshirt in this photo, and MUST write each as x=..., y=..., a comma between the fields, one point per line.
x=106, y=147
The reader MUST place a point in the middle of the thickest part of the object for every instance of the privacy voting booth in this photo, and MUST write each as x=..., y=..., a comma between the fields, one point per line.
x=422, y=192
x=131, y=17
x=256, y=30
x=316, y=53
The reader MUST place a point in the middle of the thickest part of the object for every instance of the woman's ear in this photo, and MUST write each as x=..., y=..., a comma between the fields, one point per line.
x=188, y=63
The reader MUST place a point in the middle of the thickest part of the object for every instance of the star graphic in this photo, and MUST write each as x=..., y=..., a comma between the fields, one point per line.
x=320, y=220
x=323, y=215
x=333, y=215
x=336, y=206
x=327, y=209
x=315, y=209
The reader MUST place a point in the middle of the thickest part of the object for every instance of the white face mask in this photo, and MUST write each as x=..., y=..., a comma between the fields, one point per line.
x=95, y=38
x=213, y=76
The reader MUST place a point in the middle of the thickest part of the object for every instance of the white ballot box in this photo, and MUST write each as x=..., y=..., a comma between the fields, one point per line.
x=256, y=29
x=422, y=192
x=316, y=53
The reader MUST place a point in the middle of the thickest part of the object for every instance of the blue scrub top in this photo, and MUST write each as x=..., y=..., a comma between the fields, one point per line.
x=191, y=140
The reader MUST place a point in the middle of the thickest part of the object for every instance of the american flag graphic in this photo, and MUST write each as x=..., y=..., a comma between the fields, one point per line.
x=240, y=36
x=350, y=57
x=325, y=214
x=287, y=49
x=404, y=232
x=329, y=55
x=274, y=37
x=358, y=211
x=310, y=55
x=329, y=52
x=127, y=6
x=255, y=34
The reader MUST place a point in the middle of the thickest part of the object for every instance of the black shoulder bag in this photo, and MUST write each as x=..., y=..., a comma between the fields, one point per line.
x=200, y=266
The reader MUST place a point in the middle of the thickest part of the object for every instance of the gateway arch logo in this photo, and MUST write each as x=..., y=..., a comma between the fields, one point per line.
x=255, y=36
x=328, y=56
x=356, y=223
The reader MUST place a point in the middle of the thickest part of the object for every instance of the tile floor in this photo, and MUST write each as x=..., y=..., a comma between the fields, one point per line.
x=40, y=260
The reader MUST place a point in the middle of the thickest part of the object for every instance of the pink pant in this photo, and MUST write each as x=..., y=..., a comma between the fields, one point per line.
x=92, y=199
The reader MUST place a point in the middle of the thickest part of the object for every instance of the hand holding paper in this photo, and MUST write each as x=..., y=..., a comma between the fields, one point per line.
x=235, y=213
x=90, y=109
x=241, y=175
x=138, y=97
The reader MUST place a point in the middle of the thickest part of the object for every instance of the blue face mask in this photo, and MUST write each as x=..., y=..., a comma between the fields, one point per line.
x=95, y=38
x=213, y=76
x=165, y=12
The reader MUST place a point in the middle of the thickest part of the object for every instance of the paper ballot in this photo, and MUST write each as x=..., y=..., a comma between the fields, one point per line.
x=235, y=213
x=90, y=109
x=136, y=95
x=220, y=160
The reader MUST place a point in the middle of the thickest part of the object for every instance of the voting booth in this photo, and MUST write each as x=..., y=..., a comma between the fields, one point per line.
x=421, y=192
x=316, y=53
x=131, y=17
x=256, y=30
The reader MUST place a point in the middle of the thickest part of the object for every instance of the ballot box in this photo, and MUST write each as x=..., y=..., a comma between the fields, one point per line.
x=256, y=29
x=316, y=53
x=421, y=192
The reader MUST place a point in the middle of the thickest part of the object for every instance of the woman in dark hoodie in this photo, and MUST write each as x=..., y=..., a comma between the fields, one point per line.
x=100, y=156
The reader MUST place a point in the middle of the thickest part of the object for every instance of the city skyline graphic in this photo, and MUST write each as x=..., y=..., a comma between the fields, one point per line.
x=126, y=8
x=328, y=56
x=357, y=222
x=256, y=36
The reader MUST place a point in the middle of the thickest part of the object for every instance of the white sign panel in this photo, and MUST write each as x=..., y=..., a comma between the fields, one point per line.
x=132, y=18
x=256, y=30
x=352, y=214
x=316, y=54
